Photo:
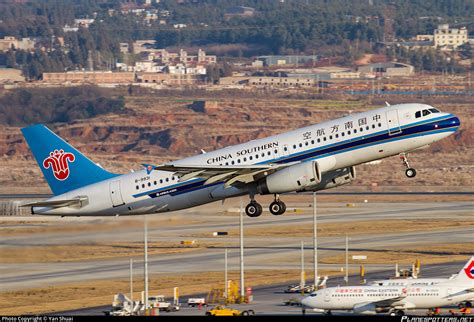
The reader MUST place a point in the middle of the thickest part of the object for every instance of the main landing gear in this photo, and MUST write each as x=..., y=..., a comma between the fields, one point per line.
x=254, y=209
x=409, y=172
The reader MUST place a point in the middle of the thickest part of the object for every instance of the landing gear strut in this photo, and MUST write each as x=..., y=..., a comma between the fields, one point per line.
x=253, y=209
x=277, y=207
x=410, y=172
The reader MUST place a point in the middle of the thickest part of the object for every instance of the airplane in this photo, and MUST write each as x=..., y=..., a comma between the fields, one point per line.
x=394, y=299
x=312, y=158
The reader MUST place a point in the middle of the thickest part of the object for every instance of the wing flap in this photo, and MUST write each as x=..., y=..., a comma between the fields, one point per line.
x=77, y=203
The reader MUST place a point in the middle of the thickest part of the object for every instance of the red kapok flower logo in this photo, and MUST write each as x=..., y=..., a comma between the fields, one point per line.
x=58, y=160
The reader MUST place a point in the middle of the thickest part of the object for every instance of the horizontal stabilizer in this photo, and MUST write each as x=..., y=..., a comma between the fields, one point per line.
x=76, y=203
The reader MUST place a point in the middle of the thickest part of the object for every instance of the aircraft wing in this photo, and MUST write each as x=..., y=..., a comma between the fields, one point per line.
x=227, y=174
x=78, y=202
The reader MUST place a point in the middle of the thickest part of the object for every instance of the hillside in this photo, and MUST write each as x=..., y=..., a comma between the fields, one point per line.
x=162, y=128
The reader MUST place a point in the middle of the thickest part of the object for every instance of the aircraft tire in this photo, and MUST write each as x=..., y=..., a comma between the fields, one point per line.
x=276, y=208
x=410, y=173
x=253, y=209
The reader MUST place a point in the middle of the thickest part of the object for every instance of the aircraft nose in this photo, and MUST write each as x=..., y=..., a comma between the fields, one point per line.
x=456, y=122
x=306, y=301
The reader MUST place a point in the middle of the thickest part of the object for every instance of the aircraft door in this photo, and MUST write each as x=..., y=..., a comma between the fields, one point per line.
x=449, y=294
x=392, y=122
x=116, y=194
x=327, y=295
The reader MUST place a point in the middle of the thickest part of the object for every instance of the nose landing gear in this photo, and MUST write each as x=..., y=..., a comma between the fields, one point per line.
x=409, y=172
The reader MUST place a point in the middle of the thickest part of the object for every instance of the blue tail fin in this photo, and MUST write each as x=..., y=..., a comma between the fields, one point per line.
x=64, y=167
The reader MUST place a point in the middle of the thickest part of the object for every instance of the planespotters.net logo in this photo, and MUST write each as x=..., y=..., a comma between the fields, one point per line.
x=437, y=319
x=58, y=161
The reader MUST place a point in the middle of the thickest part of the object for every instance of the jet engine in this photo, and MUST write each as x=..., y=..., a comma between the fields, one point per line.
x=333, y=179
x=292, y=178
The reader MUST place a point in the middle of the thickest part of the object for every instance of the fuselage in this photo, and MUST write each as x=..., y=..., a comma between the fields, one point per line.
x=374, y=299
x=339, y=143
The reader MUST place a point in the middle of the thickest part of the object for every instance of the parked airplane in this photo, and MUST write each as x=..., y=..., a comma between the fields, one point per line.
x=313, y=158
x=369, y=299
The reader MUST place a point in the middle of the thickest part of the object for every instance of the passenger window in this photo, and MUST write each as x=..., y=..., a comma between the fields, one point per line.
x=155, y=183
x=426, y=112
x=167, y=179
x=294, y=146
x=373, y=126
x=418, y=114
x=319, y=140
x=143, y=185
x=348, y=132
x=330, y=137
x=269, y=153
x=342, y=134
x=256, y=156
x=250, y=157
x=312, y=141
x=380, y=124
x=306, y=143
x=233, y=162
x=285, y=148
x=161, y=181
x=301, y=145
x=324, y=138
x=238, y=160
x=367, y=127
x=245, y=159
x=355, y=131
x=337, y=135
x=137, y=187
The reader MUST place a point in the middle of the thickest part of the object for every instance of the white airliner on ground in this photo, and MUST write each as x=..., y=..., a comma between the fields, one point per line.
x=372, y=299
x=313, y=158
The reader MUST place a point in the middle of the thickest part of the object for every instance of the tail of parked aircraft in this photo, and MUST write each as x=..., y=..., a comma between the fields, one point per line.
x=63, y=167
x=466, y=275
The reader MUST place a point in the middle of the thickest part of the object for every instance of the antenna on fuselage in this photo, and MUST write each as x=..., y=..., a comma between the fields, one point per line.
x=203, y=152
x=387, y=103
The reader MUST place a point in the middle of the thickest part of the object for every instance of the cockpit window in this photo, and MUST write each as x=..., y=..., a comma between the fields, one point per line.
x=418, y=114
x=433, y=110
x=426, y=112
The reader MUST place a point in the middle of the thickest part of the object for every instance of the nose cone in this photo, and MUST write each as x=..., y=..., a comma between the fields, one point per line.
x=456, y=122
x=306, y=301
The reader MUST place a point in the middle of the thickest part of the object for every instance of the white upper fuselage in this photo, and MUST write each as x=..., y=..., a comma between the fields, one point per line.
x=339, y=143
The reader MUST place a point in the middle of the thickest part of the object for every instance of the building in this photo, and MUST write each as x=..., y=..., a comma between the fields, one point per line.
x=390, y=69
x=10, y=42
x=451, y=38
x=287, y=60
x=11, y=75
x=168, y=79
x=239, y=11
x=92, y=77
x=162, y=56
x=147, y=45
x=268, y=81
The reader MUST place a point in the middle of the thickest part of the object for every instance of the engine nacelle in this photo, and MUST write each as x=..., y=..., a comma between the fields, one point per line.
x=293, y=178
x=334, y=179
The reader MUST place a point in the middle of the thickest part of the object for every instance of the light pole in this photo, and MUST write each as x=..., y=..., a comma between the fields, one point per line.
x=225, y=277
x=242, y=286
x=131, y=280
x=146, y=262
x=315, y=242
x=346, y=278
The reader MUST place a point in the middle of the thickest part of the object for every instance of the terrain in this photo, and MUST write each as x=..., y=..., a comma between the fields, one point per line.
x=164, y=126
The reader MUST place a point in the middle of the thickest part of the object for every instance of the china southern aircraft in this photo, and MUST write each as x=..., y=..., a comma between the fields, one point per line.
x=313, y=158
x=370, y=299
